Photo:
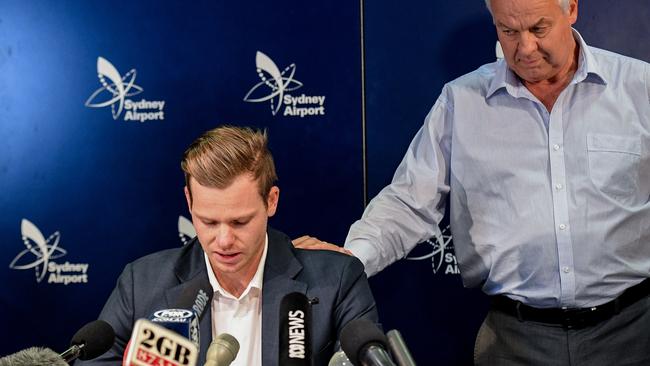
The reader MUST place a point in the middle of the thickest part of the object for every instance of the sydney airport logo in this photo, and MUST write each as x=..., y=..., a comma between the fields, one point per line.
x=116, y=89
x=442, y=253
x=274, y=87
x=42, y=253
x=186, y=231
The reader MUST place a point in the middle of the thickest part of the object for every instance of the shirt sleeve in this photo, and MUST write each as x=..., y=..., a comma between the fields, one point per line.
x=408, y=211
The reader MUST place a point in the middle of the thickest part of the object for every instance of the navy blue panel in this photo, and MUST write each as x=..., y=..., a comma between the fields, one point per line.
x=112, y=187
x=412, y=49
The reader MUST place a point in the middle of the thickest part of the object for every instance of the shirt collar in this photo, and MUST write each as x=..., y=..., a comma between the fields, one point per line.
x=587, y=68
x=255, y=283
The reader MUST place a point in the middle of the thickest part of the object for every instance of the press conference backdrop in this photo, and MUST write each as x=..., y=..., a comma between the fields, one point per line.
x=99, y=99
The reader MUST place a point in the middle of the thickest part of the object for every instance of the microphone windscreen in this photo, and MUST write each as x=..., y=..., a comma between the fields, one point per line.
x=97, y=337
x=358, y=334
x=34, y=356
x=295, y=330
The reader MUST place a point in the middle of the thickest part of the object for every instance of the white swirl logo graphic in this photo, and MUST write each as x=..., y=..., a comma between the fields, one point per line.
x=115, y=89
x=279, y=82
x=42, y=250
x=186, y=231
x=441, y=252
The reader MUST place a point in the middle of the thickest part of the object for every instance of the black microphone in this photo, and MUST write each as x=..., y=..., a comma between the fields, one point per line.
x=365, y=344
x=91, y=341
x=295, y=330
x=34, y=356
x=197, y=296
x=398, y=348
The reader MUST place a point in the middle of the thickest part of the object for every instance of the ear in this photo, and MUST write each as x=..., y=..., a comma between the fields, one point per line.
x=188, y=198
x=573, y=11
x=272, y=201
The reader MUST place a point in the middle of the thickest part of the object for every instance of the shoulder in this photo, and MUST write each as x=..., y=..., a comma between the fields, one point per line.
x=163, y=258
x=162, y=266
x=319, y=262
x=473, y=84
x=618, y=67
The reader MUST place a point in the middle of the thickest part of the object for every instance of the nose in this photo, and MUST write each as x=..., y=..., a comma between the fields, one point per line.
x=224, y=237
x=527, y=44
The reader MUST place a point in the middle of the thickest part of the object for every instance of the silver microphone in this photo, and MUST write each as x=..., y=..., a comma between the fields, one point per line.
x=339, y=359
x=222, y=351
x=398, y=348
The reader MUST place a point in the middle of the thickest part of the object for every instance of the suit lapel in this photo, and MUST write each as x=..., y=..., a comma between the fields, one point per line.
x=280, y=271
x=193, y=277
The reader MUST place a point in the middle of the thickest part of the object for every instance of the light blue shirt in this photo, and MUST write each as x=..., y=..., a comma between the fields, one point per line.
x=551, y=209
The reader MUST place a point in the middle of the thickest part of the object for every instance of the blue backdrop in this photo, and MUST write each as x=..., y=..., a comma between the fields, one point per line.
x=85, y=188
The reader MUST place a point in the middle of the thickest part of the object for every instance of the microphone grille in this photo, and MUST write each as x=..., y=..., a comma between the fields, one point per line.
x=358, y=334
x=98, y=337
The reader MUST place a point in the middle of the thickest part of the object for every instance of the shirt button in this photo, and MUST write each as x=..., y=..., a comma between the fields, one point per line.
x=562, y=226
x=558, y=186
x=566, y=269
x=556, y=147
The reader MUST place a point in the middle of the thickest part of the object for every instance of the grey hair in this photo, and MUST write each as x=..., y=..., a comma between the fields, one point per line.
x=564, y=4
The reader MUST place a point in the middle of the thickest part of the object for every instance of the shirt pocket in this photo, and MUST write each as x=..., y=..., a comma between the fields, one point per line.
x=614, y=164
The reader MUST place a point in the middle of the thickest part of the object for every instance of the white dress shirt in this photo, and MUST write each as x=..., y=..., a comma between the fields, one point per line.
x=548, y=208
x=240, y=317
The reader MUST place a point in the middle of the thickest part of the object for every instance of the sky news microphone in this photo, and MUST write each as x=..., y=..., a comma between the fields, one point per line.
x=398, y=349
x=152, y=344
x=365, y=344
x=295, y=330
x=91, y=341
x=222, y=351
x=34, y=356
x=182, y=321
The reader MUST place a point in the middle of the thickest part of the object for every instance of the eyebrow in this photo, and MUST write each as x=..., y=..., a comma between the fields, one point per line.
x=243, y=217
x=542, y=20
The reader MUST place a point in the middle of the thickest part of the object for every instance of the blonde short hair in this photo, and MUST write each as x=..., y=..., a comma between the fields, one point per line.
x=222, y=154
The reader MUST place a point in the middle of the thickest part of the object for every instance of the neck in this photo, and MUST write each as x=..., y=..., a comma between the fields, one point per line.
x=547, y=91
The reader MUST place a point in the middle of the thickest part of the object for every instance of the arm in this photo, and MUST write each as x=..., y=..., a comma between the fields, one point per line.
x=408, y=211
x=118, y=312
x=354, y=299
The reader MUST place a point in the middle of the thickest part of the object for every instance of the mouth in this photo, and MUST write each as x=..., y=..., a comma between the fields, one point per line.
x=227, y=258
x=530, y=63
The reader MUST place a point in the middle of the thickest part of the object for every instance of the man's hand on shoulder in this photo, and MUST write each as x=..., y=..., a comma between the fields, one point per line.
x=308, y=242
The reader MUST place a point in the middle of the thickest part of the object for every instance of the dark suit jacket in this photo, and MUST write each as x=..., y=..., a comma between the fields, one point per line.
x=167, y=279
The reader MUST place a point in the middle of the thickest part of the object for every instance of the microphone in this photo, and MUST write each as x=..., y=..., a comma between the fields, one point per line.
x=295, y=330
x=33, y=356
x=222, y=351
x=153, y=344
x=339, y=359
x=398, y=348
x=365, y=344
x=181, y=321
x=91, y=341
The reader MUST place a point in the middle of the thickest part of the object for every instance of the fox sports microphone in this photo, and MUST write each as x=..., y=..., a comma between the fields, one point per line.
x=398, y=348
x=182, y=321
x=152, y=344
x=365, y=344
x=34, y=356
x=222, y=351
x=91, y=341
x=295, y=330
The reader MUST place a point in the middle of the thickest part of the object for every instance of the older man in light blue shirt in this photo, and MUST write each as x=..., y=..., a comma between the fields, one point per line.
x=544, y=159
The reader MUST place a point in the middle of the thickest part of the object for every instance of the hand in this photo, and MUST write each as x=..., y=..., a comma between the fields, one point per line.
x=308, y=242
